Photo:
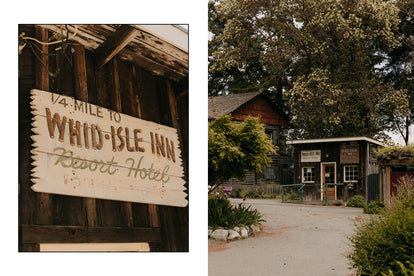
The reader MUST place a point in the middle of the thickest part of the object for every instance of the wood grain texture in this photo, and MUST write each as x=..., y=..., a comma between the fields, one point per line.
x=114, y=44
x=69, y=234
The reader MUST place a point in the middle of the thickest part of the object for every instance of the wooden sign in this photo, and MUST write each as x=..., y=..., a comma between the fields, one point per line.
x=85, y=150
x=310, y=156
x=349, y=154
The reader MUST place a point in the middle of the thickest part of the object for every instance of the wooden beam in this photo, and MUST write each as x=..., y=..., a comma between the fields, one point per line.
x=42, y=82
x=77, y=234
x=114, y=44
x=116, y=105
x=81, y=83
x=81, y=87
x=173, y=108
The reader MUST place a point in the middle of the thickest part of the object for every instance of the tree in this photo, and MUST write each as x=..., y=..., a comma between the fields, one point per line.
x=234, y=148
x=252, y=76
x=302, y=42
x=399, y=68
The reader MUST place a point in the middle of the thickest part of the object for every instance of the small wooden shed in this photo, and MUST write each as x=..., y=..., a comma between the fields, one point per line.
x=394, y=169
x=240, y=106
x=139, y=72
x=348, y=162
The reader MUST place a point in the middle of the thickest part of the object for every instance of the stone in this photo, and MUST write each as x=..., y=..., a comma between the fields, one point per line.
x=249, y=231
x=237, y=229
x=255, y=229
x=220, y=234
x=210, y=230
x=233, y=235
x=244, y=233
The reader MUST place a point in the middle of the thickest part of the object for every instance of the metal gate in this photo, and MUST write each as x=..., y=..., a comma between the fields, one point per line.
x=373, y=192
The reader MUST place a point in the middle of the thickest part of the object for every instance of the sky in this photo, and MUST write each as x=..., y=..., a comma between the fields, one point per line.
x=398, y=140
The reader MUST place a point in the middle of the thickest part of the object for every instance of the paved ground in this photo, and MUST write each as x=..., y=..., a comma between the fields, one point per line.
x=297, y=240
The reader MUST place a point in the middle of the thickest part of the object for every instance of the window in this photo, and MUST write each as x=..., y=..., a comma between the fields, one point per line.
x=273, y=135
x=308, y=174
x=351, y=174
x=269, y=173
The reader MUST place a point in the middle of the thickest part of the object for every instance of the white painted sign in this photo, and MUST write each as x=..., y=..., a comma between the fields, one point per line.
x=85, y=150
x=310, y=156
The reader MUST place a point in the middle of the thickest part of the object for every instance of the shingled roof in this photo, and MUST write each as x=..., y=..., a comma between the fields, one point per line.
x=223, y=105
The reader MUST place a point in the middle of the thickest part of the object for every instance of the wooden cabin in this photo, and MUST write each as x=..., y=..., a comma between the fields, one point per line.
x=102, y=73
x=349, y=162
x=240, y=106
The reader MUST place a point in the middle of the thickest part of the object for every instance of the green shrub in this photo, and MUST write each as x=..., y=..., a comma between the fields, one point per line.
x=222, y=214
x=357, y=201
x=383, y=242
x=292, y=196
x=244, y=216
x=405, y=270
x=374, y=207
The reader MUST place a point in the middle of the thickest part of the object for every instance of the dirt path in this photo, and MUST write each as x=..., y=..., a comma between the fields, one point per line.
x=297, y=240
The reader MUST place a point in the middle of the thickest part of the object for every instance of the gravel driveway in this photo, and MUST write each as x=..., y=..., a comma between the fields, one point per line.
x=297, y=240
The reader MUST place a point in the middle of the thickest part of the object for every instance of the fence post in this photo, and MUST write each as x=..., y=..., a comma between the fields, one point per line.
x=301, y=195
x=283, y=194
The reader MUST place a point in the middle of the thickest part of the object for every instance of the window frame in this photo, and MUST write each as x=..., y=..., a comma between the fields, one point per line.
x=303, y=174
x=357, y=173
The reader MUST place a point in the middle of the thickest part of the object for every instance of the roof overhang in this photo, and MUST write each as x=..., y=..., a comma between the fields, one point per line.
x=332, y=140
x=160, y=49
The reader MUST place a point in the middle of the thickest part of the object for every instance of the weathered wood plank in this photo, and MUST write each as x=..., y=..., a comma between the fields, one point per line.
x=114, y=44
x=81, y=82
x=42, y=82
x=27, y=198
x=81, y=85
x=95, y=247
x=42, y=76
x=126, y=207
x=71, y=234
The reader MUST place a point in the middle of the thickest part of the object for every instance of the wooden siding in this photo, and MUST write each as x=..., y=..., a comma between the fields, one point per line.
x=120, y=86
x=259, y=107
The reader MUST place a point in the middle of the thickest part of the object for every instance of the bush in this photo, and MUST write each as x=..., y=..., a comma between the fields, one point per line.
x=374, y=207
x=383, y=242
x=357, y=201
x=222, y=214
x=407, y=270
x=244, y=216
x=292, y=196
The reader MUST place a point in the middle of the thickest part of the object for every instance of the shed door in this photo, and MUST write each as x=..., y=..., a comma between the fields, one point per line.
x=328, y=176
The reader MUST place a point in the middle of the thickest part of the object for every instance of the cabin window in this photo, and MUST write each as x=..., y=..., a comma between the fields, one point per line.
x=351, y=173
x=269, y=173
x=308, y=174
x=273, y=135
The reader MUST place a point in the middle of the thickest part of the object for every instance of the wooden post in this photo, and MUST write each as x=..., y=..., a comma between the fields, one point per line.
x=170, y=212
x=42, y=83
x=153, y=213
x=81, y=86
x=117, y=106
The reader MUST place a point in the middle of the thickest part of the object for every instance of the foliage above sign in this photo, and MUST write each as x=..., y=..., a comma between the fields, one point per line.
x=81, y=149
